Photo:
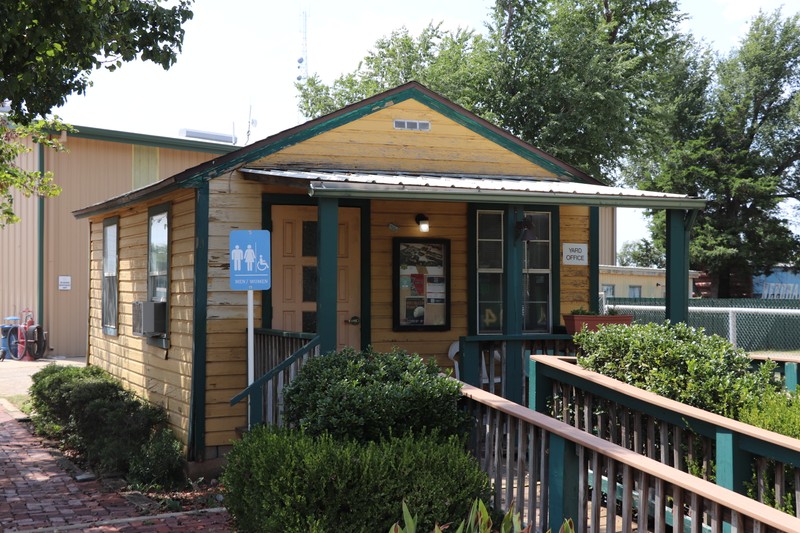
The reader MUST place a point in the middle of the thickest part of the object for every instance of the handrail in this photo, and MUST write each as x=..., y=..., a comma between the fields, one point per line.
x=275, y=371
x=658, y=427
x=687, y=483
x=284, y=333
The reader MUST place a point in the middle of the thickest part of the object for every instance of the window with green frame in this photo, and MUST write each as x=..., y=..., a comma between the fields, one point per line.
x=536, y=272
x=158, y=227
x=110, y=297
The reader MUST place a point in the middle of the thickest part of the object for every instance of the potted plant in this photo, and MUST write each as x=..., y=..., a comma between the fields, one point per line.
x=578, y=318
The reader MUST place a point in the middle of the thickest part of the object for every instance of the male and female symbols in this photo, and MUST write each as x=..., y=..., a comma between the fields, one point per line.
x=247, y=255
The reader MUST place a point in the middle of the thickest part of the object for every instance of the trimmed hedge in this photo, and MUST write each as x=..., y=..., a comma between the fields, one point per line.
x=290, y=481
x=112, y=429
x=678, y=362
x=368, y=396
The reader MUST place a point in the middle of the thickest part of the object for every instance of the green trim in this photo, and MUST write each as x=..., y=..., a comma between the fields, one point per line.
x=40, y=246
x=594, y=258
x=327, y=274
x=512, y=271
x=677, y=275
x=472, y=268
x=555, y=266
x=197, y=404
x=108, y=330
x=161, y=341
x=269, y=200
x=98, y=134
x=369, y=107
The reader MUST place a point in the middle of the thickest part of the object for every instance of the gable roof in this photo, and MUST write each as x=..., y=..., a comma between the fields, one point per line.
x=226, y=163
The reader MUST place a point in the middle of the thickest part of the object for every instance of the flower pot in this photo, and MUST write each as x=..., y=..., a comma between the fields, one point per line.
x=575, y=323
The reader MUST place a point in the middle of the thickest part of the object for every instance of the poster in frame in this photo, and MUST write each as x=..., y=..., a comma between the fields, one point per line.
x=420, y=284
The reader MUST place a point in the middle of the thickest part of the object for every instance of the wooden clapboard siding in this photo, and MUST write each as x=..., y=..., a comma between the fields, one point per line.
x=372, y=143
x=574, y=228
x=160, y=376
x=448, y=221
x=234, y=203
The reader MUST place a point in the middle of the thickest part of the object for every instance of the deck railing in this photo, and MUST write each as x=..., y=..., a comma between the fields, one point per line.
x=279, y=356
x=738, y=456
x=552, y=471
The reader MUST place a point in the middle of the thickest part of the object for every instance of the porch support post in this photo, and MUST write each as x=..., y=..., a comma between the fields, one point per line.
x=679, y=224
x=594, y=259
x=512, y=305
x=328, y=237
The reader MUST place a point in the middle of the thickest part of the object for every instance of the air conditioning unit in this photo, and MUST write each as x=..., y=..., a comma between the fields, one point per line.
x=149, y=319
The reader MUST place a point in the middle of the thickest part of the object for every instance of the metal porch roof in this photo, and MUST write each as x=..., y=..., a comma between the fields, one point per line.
x=471, y=188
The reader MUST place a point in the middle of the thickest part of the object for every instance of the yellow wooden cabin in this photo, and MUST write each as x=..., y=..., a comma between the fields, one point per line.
x=402, y=220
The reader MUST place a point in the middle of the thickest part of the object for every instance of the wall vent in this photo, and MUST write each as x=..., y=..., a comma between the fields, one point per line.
x=412, y=125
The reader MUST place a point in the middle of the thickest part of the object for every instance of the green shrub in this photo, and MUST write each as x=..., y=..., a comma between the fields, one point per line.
x=50, y=393
x=368, y=396
x=678, y=362
x=93, y=414
x=289, y=481
x=160, y=462
x=777, y=411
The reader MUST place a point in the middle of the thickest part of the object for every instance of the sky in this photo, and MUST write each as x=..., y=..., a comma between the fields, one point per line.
x=239, y=63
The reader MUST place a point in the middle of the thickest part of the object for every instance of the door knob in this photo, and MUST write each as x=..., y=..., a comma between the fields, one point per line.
x=354, y=321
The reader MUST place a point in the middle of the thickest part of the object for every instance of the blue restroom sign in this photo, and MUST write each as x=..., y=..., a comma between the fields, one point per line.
x=251, y=264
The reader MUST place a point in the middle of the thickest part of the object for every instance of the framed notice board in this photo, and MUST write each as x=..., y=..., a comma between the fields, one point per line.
x=421, y=284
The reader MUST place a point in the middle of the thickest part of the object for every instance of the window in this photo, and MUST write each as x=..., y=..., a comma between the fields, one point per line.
x=110, y=298
x=490, y=271
x=608, y=290
x=158, y=254
x=635, y=291
x=536, y=272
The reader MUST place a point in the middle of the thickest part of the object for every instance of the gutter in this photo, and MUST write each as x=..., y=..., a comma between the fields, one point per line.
x=40, y=248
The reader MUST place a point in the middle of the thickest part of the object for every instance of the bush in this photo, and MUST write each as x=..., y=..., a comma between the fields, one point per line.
x=107, y=425
x=368, y=396
x=678, y=362
x=50, y=392
x=289, y=481
x=160, y=462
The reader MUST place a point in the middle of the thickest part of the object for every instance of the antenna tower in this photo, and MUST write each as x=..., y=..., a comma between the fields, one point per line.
x=302, y=62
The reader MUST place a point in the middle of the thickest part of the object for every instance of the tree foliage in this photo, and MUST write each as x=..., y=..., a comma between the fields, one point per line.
x=453, y=63
x=642, y=253
x=728, y=130
x=48, y=48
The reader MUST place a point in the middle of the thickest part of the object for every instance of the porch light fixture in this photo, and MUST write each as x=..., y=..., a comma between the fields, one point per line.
x=424, y=224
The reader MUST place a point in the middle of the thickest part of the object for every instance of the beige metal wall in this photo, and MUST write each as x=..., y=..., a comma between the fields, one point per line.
x=89, y=172
x=608, y=236
x=18, y=252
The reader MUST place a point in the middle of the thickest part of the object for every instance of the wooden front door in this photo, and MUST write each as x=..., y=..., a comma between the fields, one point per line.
x=294, y=268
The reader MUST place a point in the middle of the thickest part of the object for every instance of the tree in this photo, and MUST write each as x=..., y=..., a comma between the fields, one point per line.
x=455, y=64
x=731, y=134
x=642, y=253
x=48, y=48
x=569, y=76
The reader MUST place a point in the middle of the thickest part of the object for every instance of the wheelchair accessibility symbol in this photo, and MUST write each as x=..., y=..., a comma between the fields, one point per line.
x=249, y=260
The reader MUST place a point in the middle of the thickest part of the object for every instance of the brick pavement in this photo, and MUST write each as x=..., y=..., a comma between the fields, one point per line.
x=36, y=494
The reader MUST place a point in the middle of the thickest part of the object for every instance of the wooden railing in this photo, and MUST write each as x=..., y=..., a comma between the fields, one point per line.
x=552, y=471
x=275, y=367
x=787, y=365
x=738, y=456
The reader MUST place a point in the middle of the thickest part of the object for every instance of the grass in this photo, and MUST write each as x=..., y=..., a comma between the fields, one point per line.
x=21, y=402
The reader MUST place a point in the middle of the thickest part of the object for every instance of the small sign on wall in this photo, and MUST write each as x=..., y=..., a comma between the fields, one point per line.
x=575, y=254
x=64, y=283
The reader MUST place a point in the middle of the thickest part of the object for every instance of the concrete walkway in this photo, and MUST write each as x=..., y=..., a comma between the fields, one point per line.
x=37, y=494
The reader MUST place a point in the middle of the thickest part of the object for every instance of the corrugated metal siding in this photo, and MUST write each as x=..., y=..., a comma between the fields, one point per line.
x=608, y=236
x=161, y=376
x=90, y=172
x=18, y=260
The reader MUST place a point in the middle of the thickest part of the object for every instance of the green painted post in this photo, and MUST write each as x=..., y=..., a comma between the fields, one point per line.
x=328, y=232
x=733, y=464
x=512, y=302
x=539, y=387
x=677, y=304
x=470, y=363
x=790, y=371
x=594, y=259
x=563, y=481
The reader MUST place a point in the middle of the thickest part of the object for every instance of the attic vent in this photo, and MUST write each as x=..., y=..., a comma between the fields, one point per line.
x=412, y=125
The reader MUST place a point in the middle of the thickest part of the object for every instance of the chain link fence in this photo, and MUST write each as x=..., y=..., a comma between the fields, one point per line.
x=751, y=324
